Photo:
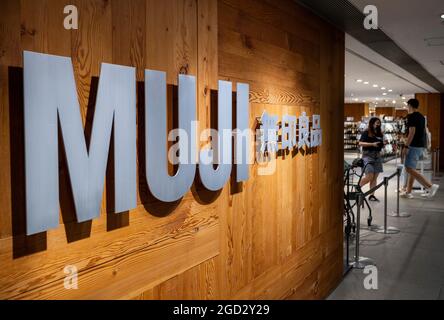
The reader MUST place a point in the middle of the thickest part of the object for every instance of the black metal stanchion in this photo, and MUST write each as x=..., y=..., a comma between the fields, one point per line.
x=359, y=262
x=396, y=213
x=386, y=229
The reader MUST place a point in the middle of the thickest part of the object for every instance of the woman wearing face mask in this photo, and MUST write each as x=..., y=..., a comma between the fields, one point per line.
x=372, y=142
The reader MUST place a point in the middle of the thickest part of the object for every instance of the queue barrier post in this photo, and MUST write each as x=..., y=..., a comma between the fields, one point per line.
x=386, y=229
x=397, y=214
x=359, y=262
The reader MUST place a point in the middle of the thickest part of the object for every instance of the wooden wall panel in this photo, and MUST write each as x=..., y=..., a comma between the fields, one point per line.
x=268, y=238
x=277, y=241
x=356, y=110
x=113, y=249
x=430, y=106
x=385, y=111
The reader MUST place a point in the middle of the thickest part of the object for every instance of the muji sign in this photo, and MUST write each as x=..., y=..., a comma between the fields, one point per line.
x=51, y=101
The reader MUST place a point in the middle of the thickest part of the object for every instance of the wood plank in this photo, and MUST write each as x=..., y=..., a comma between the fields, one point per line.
x=273, y=16
x=10, y=33
x=131, y=274
x=171, y=35
x=231, y=65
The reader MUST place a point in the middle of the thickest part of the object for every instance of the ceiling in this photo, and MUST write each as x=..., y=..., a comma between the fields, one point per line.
x=362, y=63
x=415, y=26
x=418, y=29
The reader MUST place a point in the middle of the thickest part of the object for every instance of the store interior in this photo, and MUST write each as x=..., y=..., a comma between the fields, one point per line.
x=401, y=237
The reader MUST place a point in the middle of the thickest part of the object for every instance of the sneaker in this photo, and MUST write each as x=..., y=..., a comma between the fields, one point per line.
x=433, y=190
x=407, y=195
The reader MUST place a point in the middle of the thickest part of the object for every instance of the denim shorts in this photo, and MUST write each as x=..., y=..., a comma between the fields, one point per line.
x=372, y=162
x=413, y=156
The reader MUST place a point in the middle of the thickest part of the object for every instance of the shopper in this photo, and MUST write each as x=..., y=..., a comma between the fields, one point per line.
x=414, y=149
x=372, y=143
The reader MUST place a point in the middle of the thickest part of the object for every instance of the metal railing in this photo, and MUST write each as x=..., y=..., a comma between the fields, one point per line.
x=435, y=163
x=361, y=262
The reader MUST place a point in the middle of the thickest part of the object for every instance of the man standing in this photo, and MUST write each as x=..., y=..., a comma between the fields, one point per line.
x=416, y=142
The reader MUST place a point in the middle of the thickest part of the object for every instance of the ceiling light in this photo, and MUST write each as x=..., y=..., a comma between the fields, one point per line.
x=375, y=86
x=377, y=99
x=359, y=80
x=405, y=103
x=356, y=99
x=390, y=90
x=394, y=101
x=364, y=100
x=384, y=93
x=403, y=98
x=382, y=88
x=442, y=16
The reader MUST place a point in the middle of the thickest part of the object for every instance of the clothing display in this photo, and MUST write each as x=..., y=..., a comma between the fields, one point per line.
x=392, y=129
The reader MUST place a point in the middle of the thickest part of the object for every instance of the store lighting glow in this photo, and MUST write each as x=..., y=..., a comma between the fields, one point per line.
x=382, y=88
x=359, y=80
x=394, y=101
x=403, y=98
x=366, y=82
x=356, y=99
x=442, y=16
x=390, y=90
x=384, y=93
x=375, y=86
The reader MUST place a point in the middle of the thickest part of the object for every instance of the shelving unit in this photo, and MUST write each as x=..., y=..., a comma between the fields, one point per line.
x=391, y=130
x=350, y=135
x=390, y=127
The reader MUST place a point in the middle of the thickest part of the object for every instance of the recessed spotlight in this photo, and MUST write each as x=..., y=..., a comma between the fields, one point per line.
x=366, y=82
x=382, y=88
x=394, y=101
x=442, y=16
x=375, y=86
x=390, y=90
x=384, y=93
x=403, y=98
x=356, y=99
x=359, y=80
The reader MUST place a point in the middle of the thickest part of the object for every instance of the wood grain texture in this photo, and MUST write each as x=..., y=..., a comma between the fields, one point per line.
x=356, y=110
x=272, y=237
x=277, y=240
x=430, y=107
x=385, y=111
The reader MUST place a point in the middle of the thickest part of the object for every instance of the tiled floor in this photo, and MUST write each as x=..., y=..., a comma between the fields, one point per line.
x=410, y=264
